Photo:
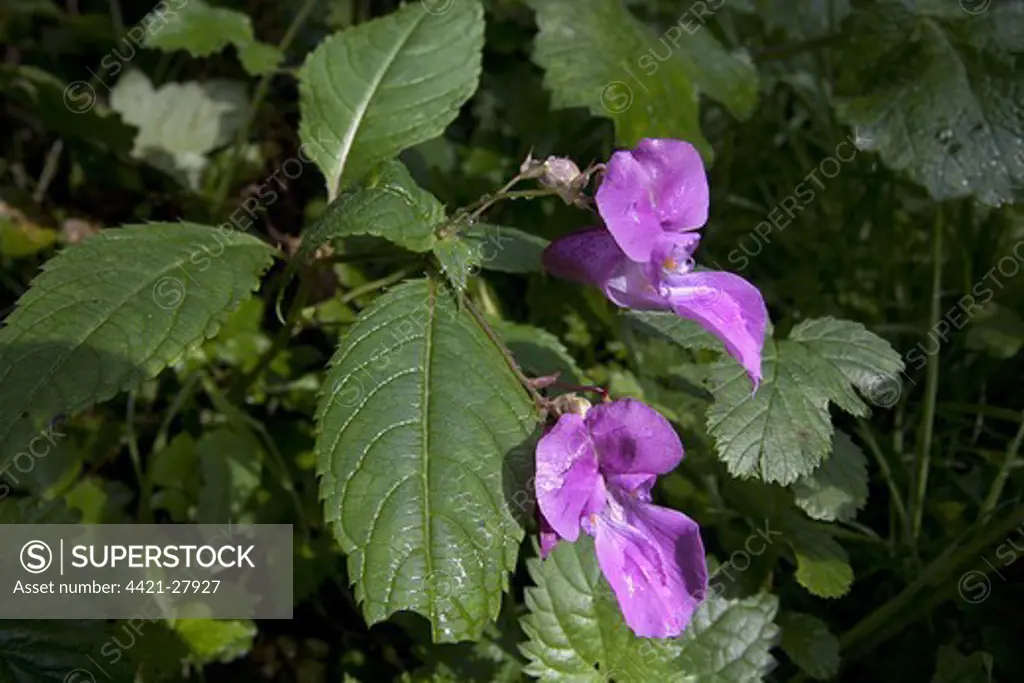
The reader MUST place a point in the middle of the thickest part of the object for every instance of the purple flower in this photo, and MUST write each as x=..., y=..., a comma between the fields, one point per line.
x=653, y=200
x=595, y=472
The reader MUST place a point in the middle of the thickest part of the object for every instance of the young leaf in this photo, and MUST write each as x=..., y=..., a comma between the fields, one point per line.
x=783, y=431
x=202, y=30
x=936, y=91
x=807, y=640
x=953, y=667
x=375, y=89
x=115, y=309
x=216, y=640
x=386, y=203
x=423, y=437
x=822, y=565
x=576, y=631
x=230, y=464
x=837, y=489
x=596, y=54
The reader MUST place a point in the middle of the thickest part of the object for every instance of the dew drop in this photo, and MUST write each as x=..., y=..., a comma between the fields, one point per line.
x=945, y=135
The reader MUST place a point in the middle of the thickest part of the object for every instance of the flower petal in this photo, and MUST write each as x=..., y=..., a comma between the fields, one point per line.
x=588, y=256
x=660, y=186
x=548, y=538
x=633, y=439
x=567, y=483
x=653, y=557
x=728, y=307
x=593, y=257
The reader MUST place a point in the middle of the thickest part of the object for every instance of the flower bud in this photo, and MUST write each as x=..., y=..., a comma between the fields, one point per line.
x=570, y=403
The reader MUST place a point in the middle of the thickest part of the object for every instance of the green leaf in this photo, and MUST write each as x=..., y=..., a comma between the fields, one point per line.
x=576, y=631
x=423, y=433
x=807, y=640
x=202, y=30
x=230, y=465
x=505, y=249
x=113, y=310
x=839, y=488
x=865, y=359
x=216, y=640
x=538, y=352
x=597, y=55
x=685, y=333
x=953, y=667
x=70, y=110
x=783, y=431
x=48, y=651
x=822, y=565
x=458, y=260
x=380, y=87
x=387, y=203
x=937, y=93
x=179, y=123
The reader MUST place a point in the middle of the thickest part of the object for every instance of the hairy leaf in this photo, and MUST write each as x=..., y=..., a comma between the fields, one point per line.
x=115, y=309
x=422, y=448
x=938, y=92
x=375, y=89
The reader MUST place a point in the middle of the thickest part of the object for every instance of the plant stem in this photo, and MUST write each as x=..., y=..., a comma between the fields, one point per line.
x=864, y=430
x=145, y=489
x=257, y=99
x=924, y=452
x=373, y=286
x=1004, y=472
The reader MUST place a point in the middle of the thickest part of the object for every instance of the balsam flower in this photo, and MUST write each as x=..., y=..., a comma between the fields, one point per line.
x=653, y=200
x=595, y=472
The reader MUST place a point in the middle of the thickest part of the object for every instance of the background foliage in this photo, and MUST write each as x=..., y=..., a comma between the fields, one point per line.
x=238, y=271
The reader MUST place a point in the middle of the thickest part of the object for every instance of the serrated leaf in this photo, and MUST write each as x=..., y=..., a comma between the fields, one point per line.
x=869, y=362
x=808, y=641
x=51, y=651
x=685, y=333
x=202, y=30
x=837, y=489
x=423, y=433
x=538, y=352
x=115, y=309
x=386, y=203
x=576, y=631
x=953, y=667
x=370, y=91
x=937, y=92
x=458, y=260
x=597, y=55
x=783, y=431
x=822, y=565
x=179, y=123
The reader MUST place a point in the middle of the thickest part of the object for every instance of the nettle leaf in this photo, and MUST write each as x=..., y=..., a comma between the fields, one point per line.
x=370, y=91
x=597, y=55
x=179, y=123
x=576, y=631
x=783, y=431
x=807, y=640
x=424, y=436
x=202, y=30
x=386, y=203
x=938, y=92
x=115, y=309
x=839, y=488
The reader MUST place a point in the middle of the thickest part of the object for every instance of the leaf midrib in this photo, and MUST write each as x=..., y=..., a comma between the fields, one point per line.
x=360, y=113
